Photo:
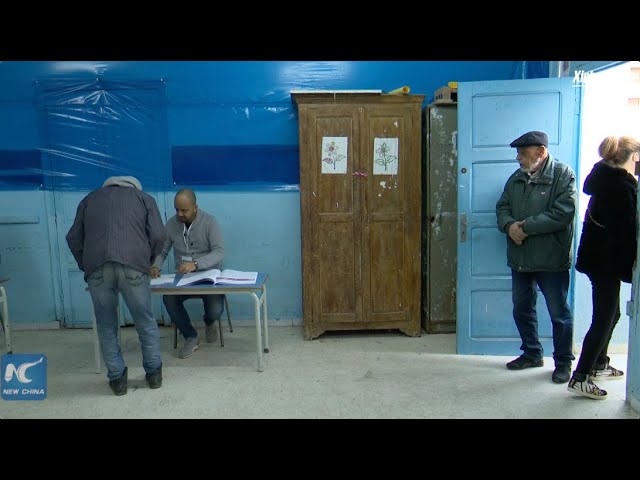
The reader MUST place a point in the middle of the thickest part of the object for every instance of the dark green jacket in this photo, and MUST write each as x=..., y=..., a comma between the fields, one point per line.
x=547, y=205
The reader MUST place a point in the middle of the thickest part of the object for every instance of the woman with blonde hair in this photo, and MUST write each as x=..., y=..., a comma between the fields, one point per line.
x=606, y=254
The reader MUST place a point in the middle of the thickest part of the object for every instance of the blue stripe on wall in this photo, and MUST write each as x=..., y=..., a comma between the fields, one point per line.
x=261, y=167
x=20, y=168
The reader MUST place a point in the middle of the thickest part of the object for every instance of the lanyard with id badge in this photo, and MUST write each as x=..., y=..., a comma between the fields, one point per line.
x=185, y=236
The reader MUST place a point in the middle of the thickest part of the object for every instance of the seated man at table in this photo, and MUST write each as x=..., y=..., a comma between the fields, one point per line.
x=197, y=245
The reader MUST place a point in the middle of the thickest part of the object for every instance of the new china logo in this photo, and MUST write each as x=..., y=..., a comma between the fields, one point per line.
x=23, y=376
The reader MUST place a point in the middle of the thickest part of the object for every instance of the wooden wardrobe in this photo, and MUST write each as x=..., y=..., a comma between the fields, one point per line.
x=360, y=198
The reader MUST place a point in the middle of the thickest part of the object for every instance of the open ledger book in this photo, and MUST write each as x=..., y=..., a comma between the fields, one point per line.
x=214, y=275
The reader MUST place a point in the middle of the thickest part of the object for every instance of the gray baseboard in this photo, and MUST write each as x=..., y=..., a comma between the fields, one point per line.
x=35, y=326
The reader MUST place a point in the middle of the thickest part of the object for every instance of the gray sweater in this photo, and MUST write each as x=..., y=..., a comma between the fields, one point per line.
x=116, y=224
x=202, y=242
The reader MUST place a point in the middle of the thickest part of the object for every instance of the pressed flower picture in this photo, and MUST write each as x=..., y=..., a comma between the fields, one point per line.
x=385, y=156
x=334, y=154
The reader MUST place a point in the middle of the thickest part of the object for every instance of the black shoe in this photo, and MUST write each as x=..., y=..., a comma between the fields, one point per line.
x=119, y=385
x=155, y=379
x=523, y=362
x=561, y=374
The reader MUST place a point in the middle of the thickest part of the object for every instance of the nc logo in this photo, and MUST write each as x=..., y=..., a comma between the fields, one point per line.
x=20, y=372
x=23, y=376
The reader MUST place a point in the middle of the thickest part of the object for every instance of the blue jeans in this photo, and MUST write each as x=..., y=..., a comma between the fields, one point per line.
x=104, y=285
x=213, y=307
x=554, y=287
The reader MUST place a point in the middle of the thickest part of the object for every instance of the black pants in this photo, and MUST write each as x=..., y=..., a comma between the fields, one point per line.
x=605, y=297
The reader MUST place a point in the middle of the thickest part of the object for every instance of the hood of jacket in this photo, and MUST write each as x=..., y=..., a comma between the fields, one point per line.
x=605, y=178
x=123, y=181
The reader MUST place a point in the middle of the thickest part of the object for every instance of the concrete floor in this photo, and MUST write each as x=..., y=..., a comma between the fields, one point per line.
x=347, y=375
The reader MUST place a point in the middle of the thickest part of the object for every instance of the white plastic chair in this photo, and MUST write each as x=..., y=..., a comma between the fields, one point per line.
x=5, y=314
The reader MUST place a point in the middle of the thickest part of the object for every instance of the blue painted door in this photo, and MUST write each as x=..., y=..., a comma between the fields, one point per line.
x=24, y=257
x=490, y=116
x=90, y=131
x=633, y=358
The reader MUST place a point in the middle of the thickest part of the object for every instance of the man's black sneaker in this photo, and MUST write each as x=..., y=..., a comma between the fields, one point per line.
x=119, y=385
x=561, y=374
x=523, y=362
x=155, y=379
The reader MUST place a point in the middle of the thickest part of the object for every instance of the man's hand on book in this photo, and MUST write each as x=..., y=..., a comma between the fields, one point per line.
x=186, y=267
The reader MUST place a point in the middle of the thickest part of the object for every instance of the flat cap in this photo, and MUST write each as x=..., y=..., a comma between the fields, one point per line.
x=531, y=138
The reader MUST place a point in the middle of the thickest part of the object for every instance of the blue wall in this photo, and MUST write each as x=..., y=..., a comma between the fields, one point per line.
x=228, y=129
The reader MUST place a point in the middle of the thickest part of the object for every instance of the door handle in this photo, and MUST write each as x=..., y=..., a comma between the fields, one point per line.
x=463, y=227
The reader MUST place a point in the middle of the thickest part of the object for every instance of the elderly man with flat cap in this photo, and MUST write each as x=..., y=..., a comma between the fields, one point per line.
x=536, y=212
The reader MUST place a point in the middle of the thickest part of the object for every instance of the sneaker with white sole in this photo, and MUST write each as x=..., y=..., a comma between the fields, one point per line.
x=606, y=373
x=586, y=388
x=211, y=332
x=191, y=344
